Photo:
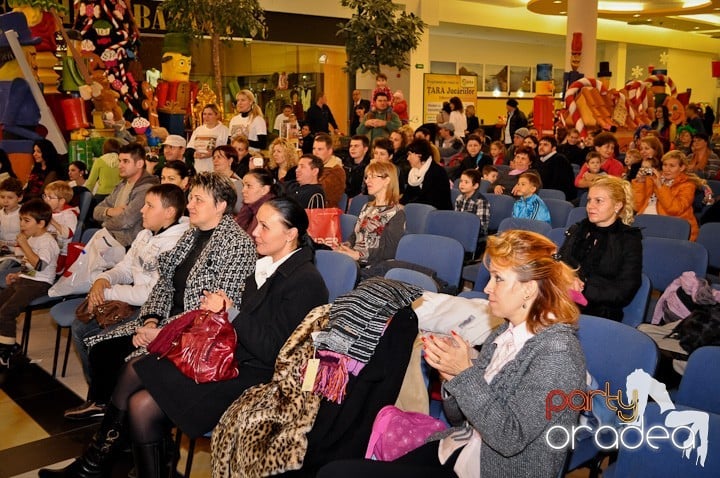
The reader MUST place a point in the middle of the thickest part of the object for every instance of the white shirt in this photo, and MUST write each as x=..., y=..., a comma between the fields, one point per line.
x=279, y=120
x=265, y=267
x=509, y=343
x=206, y=139
x=47, y=249
x=9, y=225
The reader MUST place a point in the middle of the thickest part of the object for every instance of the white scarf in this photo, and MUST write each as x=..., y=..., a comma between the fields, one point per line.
x=417, y=175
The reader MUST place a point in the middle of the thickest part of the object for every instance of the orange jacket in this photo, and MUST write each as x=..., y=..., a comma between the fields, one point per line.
x=676, y=200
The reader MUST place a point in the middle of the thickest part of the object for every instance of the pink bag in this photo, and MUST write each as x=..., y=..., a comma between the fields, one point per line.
x=396, y=433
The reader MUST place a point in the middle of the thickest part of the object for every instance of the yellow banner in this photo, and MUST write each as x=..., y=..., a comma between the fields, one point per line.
x=440, y=88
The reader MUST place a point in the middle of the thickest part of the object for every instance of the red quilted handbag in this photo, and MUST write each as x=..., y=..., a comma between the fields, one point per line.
x=201, y=344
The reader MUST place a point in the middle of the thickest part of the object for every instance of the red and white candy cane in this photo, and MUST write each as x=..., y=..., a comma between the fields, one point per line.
x=666, y=79
x=571, y=104
x=637, y=94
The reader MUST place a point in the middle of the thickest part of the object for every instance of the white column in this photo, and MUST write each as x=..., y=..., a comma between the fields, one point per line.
x=428, y=10
x=582, y=17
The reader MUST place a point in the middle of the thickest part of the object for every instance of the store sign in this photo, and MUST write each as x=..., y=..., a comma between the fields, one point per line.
x=440, y=88
x=149, y=18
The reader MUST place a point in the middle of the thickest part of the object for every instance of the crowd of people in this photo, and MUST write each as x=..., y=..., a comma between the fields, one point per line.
x=216, y=225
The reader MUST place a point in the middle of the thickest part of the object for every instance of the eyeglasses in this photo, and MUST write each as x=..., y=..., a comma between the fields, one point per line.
x=45, y=196
x=375, y=176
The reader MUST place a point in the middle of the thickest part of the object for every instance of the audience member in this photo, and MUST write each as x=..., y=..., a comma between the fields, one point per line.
x=306, y=139
x=457, y=117
x=683, y=141
x=515, y=120
x=507, y=180
x=448, y=144
x=573, y=148
x=381, y=120
x=529, y=205
x=77, y=174
x=259, y=187
x=332, y=177
x=356, y=164
x=606, y=144
x=105, y=173
x=498, y=153
x=400, y=107
x=703, y=161
x=242, y=146
x=6, y=165
x=249, y=122
x=11, y=190
x=471, y=199
x=174, y=148
x=381, y=86
x=175, y=172
x=63, y=224
x=119, y=213
x=358, y=109
x=319, y=117
x=518, y=141
x=283, y=117
x=473, y=123
x=428, y=135
x=283, y=161
x=474, y=157
x=592, y=171
x=490, y=173
x=207, y=137
x=554, y=168
x=46, y=169
x=664, y=127
x=605, y=250
x=224, y=158
x=427, y=181
x=307, y=186
x=693, y=118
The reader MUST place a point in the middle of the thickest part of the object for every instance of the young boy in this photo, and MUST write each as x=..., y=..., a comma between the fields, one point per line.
x=593, y=162
x=64, y=217
x=381, y=85
x=10, y=196
x=40, y=251
x=471, y=200
x=529, y=205
x=489, y=173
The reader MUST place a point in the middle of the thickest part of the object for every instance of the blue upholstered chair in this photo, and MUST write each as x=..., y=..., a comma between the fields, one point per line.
x=416, y=217
x=339, y=272
x=412, y=277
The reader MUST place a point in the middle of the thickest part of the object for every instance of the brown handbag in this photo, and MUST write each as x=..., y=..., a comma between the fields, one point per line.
x=109, y=313
x=201, y=344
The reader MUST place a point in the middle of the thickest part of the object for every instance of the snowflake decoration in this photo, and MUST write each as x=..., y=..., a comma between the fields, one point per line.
x=664, y=58
x=637, y=72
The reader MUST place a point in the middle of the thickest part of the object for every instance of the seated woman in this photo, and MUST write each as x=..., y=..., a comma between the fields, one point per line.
x=283, y=160
x=223, y=159
x=381, y=223
x=474, y=158
x=605, y=249
x=153, y=394
x=258, y=188
x=683, y=141
x=206, y=137
x=703, y=161
x=175, y=172
x=46, y=169
x=499, y=397
x=507, y=180
x=242, y=146
x=670, y=193
x=427, y=181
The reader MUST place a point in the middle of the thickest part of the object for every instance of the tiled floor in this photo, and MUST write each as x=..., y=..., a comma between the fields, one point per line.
x=33, y=432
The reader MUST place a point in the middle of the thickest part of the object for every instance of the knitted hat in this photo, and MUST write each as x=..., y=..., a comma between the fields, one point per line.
x=17, y=22
x=522, y=132
x=512, y=102
x=447, y=126
x=177, y=43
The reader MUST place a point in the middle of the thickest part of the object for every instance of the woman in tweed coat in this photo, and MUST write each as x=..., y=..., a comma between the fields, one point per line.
x=499, y=397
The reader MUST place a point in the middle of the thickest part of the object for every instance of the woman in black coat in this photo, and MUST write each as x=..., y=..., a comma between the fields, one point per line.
x=606, y=250
x=153, y=394
x=427, y=181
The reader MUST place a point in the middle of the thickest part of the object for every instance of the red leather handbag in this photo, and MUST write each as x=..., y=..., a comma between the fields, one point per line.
x=201, y=344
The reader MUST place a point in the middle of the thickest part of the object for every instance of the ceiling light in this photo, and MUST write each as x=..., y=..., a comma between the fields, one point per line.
x=563, y=13
x=637, y=15
x=694, y=3
x=557, y=1
x=620, y=7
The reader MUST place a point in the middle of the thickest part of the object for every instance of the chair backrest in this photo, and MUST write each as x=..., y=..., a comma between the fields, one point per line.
x=484, y=186
x=656, y=225
x=709, y=237
x=582, y=201
x=715, y=186
x=634, y=312
x=442, y=254
x=613, y=350
x=541, y=227
x=86, y=198
x=416, y=217
x=339, y=271
x=454, y=193
x=665, y=259
x=501, y=206
x=576, y=215
x=463, y=226
x=412, y=277
x=343, y=204
x=482, y=278
x=347, y=225
x=357, y=203
x=557, y=235
x=88, y=234
x=551, y=194
x=700, y=385
x=559, y=211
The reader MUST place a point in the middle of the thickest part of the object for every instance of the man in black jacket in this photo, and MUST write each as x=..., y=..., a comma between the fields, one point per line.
x=515, y=119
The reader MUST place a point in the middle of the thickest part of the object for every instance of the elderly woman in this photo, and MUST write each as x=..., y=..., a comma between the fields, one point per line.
x=670, y=192
x=507, y=180
x=215, y=259
x=427, y=181
x=381, y=223
x=500, y=396
x=605, y=249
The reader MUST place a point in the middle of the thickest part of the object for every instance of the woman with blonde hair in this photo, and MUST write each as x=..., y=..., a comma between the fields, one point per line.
x=497, y=397
x=207, y=137
x=249, y=121
x=670, y=192
x=605, y=249
x=283, y=160
x=381, y=223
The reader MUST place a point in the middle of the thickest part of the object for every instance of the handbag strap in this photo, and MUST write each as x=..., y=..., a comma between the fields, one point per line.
x=317, y=201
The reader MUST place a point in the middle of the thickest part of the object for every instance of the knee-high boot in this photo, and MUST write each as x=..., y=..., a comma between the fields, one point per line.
x=152, y=460
x=99, y=457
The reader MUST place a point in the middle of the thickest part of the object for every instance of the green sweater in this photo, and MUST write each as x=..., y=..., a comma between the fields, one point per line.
x=104, y=172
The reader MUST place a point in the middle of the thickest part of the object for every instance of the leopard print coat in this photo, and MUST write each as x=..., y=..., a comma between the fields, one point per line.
x=264, y=432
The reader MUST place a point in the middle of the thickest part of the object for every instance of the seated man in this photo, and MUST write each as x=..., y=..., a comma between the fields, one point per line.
x=119, y=213
x=332, y=175
x=132, y=279
x=174, y=148
x=449, y=144
x=307, y=185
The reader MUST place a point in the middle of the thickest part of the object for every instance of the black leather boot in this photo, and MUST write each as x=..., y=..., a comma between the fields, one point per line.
x=99, y=457
x=151, y=460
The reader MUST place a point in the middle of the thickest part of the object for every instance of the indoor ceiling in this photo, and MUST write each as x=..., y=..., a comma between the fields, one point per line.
x=700, y=16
